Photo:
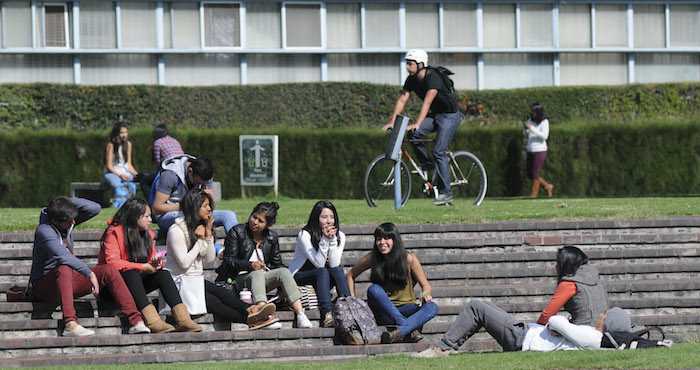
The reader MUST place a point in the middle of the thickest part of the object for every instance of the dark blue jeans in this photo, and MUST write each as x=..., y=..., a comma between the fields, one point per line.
x=323, y=280
x=445, y=125
x=408, y=317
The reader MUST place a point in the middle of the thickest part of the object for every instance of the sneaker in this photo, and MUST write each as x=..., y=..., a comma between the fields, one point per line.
x=139, y=328
x=73, y=329
x=665, y=343
x=261, y=314
x=432, y=352
x=274, y=326
x=391, y=336
x=302, y=322
x=328, y=321
x=443, y=199
x=414, y=337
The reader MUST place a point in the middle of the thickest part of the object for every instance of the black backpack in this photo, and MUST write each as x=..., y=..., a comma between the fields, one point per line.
x=445, y=74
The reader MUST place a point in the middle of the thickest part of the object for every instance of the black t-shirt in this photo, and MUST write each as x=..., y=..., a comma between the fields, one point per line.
x=444, y=102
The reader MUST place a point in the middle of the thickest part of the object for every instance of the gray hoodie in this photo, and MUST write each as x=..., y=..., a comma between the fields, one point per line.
x=591, y=299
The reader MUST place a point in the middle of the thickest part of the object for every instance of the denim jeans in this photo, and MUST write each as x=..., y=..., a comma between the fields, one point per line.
x=323, y=280
x=408, y=317
x=227, y=219
x=445, y=125
x=123, y=189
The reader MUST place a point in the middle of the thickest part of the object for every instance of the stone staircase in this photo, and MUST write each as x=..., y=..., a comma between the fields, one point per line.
x=651, y=268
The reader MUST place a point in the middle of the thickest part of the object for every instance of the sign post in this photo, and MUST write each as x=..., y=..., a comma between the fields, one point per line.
x=259, y=156
x=393, y=152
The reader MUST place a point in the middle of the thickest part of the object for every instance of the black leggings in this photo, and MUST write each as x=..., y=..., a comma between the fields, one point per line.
x=224, y=304
x=141, y=284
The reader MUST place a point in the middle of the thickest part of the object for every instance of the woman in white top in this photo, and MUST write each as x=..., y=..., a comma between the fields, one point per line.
x=190, y=245
x=537, y=131
x=317, y=255
x=119, y=170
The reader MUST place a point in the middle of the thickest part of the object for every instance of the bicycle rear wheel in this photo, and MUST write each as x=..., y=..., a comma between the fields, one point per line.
x=379, y=182
x=469, y=181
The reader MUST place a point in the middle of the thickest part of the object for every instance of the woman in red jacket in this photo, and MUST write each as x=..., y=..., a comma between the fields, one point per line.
x=129, y=245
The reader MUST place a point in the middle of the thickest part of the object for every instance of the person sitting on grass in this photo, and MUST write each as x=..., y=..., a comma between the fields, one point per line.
x=251, y=259
x=57, y=275
x=317, y=254
x=391, y=296
x=119, y=168
x=128, y=245
x=190, y=245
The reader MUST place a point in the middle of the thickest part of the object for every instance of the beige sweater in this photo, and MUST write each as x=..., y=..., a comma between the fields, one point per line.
x=179, y=260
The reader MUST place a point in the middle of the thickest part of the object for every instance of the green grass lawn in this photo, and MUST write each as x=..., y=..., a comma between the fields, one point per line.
x=294, y=212
x=680, y=356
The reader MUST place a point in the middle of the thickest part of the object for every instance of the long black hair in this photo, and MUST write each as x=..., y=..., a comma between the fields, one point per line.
x=190, y=205
x=391, y=270
x=537, y=114
x=313, y=226
x=138, y=242
x=569, y=259
x=115, y=139
x=269, y=209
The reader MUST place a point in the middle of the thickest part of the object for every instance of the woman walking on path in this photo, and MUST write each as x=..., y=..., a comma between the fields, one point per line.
x=537, y=131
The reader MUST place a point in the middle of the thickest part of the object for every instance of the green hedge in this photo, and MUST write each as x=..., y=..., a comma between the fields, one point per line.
x=584, y=160
x=317, y=105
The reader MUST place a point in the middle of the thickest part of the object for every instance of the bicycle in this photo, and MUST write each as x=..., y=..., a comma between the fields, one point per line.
x=469, y=179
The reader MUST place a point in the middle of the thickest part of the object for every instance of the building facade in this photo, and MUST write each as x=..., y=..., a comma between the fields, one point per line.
x=489, y=44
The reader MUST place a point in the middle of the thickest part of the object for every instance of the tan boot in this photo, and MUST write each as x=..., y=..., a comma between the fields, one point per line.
x=535, y=188
x=183, y=321
x=154, y=322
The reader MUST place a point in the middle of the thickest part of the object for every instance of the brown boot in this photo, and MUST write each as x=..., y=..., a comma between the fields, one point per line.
x=183, y=321
x=535, y=188
x=549, y=187
x=154, y=322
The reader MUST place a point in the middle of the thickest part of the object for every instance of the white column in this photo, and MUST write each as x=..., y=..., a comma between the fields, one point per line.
x=242, y=31
x=480, y=77
x=667, y=24
x=324, y=67
x=363, y=24
x=402, y=67
x=517, y=26
x=480, y=24
x=161, y=69
x=284, y=26
x=35, y=42
x=441, y=25
x=243, y=60
x=630, y=26
x=76, y=25
x=555, y=25
x=160, y=32
x=118, y=20
x=631, y=74
x=76, y=69
x=593, y=26
x=402, y=25
x=324, y=33
x=557, y=70
x=201, y=24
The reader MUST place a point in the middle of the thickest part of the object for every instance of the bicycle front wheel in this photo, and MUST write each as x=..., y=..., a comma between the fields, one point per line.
x=469, y=180
x=379, y=182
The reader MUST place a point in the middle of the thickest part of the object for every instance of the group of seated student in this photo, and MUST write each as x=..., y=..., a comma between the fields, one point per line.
x=129, y=267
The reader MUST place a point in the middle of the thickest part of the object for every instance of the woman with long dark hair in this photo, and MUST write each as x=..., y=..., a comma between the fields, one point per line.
x=391, y=296
x=579, y=291
x=129, y=245
x=537, y=131
x=190, y=244
x=317, y=255
x=119, y=168
x=251, y=259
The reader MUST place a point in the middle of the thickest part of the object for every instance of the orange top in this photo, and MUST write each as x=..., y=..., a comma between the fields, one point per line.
x=565, y=290
x=113, y=250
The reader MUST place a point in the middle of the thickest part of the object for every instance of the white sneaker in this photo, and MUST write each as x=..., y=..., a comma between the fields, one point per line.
x=432, y=352
x=73, y=329
x=275, y=326
x=303, y=321
x=139, y=328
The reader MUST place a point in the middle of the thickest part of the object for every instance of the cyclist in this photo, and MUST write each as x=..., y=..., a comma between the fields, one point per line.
x=439, y=113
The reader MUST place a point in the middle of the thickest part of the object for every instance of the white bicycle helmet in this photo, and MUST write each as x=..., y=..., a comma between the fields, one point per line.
x=418, y=56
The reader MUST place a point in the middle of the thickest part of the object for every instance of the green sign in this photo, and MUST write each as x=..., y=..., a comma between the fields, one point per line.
x=258, y=155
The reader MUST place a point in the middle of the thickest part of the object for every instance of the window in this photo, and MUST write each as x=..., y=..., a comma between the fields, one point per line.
x=263, y=25
x=118, y=69
x=593, y=69
x=536, y=25
x=222, y=25
x=27, y=68
x=575, y=26
x=198, y=69
x=54, y=26
x=611, y=26
x=649, y=26
x=343, y=26
x=371, y=68
x=518, y=70
x=652, y=68
x=303, y=25
x=685, y=25
x=459, y=24
x=97, y=25
x=185, y=32
x=138, y=24
x=283, y=68
x=499, y=26
x=462, y=65
x=381, y=24
x=422, y=26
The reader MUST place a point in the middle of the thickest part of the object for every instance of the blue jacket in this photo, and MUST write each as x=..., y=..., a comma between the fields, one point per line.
x=49, y=250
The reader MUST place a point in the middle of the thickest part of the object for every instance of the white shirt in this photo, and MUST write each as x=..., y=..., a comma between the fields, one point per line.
x=329, y=250
x=181, y=261
x=537, y=136
x=542, y=338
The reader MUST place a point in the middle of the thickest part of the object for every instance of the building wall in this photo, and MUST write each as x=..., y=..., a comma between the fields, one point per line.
x=489, y=44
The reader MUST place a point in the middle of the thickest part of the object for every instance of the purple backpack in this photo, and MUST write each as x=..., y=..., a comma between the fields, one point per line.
x=354, y=322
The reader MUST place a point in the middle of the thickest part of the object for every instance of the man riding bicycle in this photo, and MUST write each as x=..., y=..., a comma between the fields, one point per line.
x=439, y=113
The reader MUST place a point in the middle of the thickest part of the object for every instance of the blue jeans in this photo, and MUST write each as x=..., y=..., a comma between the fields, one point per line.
x=227, y=219
x=123, y=189
x=408, y=317
x=323, y=279
x=445, y=125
